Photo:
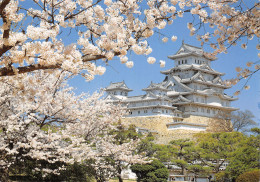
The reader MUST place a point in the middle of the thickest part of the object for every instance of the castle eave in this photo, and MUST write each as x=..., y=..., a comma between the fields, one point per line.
x=151, y=107
x=204, y=83
x=112, y=89
x=207, y=105
x=183, y=55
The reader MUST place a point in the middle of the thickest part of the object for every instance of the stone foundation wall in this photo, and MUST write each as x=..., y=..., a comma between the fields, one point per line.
x=158, y=123
x=197, y=119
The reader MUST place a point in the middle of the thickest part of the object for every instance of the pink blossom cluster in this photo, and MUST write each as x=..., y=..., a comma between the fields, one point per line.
x=42, y=119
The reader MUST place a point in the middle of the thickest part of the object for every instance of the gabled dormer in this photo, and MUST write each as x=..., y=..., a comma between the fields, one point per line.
x=218, y=80
x=198, y=77
x=118, y=88
x=156, y=88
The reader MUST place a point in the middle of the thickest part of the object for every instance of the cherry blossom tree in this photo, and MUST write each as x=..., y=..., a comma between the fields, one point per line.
x=44, y=121
x=32, y=32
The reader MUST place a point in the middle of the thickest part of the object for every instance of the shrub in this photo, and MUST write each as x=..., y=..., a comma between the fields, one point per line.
x=251, y=176
x=153, y=172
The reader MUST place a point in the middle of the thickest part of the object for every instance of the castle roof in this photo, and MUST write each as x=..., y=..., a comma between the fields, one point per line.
x=156, y=86
x=189, y=50
x=198, y=78
x=203, y=68
x=117, y=86
x=212, y=105
x=205, y=92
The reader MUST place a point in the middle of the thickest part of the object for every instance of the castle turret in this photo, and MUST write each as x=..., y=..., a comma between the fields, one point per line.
x=118, y=88
x=188, y=54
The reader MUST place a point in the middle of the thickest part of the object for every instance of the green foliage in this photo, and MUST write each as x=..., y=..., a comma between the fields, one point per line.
x=75, y=172
x=146, y=146
x=245, y=157
x=222, y=177
x=124, y=134
x=184, y=153
x=78, y=172
x=208, y=153
x=255, y=130
x=152, y=172
x=217, y=147
x=251, y=176
x=164, y=153
x=241, y=152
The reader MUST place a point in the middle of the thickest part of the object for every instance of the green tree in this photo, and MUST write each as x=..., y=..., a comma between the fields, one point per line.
x=184, y=154
x=239, y=150
x=151, y=172
x=147, y=146
x=245, y=157
x=216, y=148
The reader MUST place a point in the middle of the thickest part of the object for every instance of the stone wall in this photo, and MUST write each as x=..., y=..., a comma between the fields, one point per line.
x=158, y=123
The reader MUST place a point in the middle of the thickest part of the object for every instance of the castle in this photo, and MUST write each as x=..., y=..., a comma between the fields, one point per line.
x=191, y=93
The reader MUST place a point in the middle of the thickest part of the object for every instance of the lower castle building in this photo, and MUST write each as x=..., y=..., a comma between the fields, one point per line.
x=182, y=104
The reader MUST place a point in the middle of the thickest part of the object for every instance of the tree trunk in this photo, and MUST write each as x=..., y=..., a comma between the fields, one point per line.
x=184, y=172
x=4, y=177
x=119, y=174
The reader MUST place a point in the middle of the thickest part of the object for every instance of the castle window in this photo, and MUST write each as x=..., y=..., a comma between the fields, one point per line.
x=138, y=112
x=114, y=93
x=121, y=93
x=166, y=111
x=182, y=61
x=179, y=62
x=145, y=111
x=208, y=111
x=162, y=111
x=125, y=93
x=186, y=61
x=214, y=112
x=130, y=112
x=202, y=109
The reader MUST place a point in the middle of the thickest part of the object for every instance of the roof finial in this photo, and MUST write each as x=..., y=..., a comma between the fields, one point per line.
x=182, y=41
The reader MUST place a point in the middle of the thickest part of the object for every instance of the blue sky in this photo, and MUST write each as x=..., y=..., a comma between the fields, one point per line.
x=143, y=73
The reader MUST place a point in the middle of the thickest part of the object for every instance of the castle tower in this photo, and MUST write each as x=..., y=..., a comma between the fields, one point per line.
x=198, y=89
x=182, y=104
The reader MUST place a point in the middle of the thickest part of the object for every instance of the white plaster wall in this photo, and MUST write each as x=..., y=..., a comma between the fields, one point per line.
x=186, y=127
x=214, y=100
x=150, y=112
